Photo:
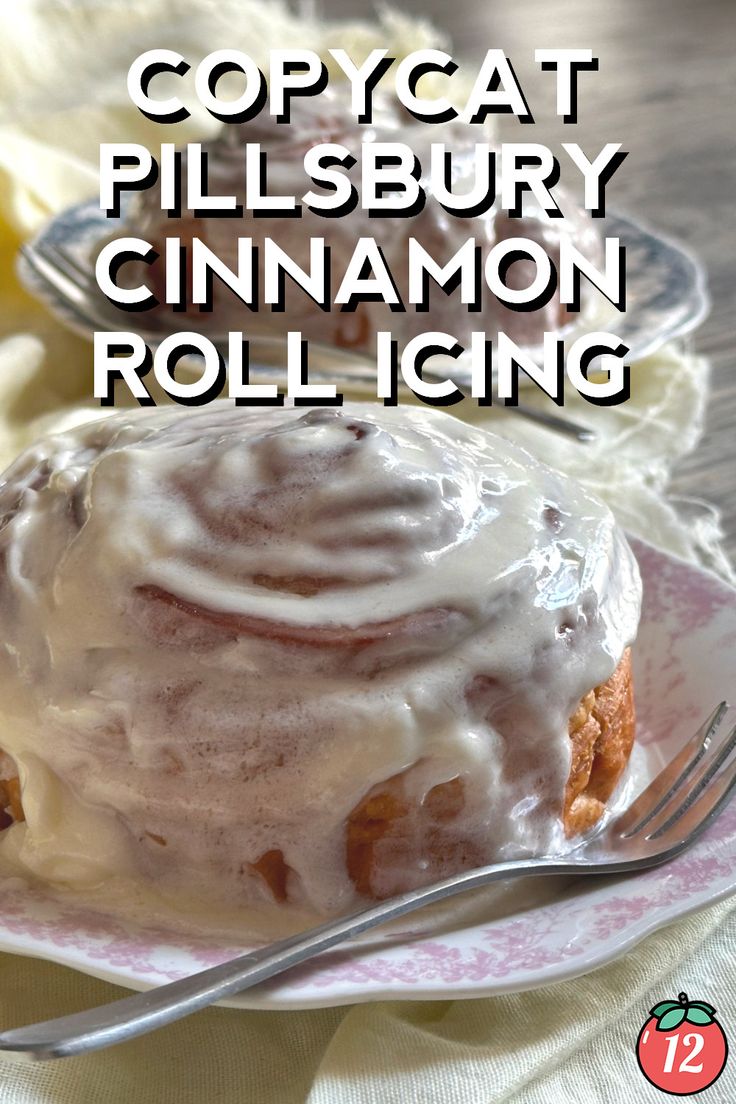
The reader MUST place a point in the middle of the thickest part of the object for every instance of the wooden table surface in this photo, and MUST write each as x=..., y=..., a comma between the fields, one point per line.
x=665, y=90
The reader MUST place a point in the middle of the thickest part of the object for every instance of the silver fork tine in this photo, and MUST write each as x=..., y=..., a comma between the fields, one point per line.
x=676, y=809
x=671, y=778
x=71, y=265
x=49, y=271
x=66, y=286
x=684, y=829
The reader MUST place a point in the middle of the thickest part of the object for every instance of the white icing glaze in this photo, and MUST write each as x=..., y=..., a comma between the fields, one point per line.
x=326, y=118
x=223, y=628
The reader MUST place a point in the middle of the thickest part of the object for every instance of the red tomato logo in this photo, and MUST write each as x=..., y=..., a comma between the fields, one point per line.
x=681, y=1048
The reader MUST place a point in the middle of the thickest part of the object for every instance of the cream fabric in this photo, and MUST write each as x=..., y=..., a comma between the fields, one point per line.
x=570, y=1043
x=62, y=90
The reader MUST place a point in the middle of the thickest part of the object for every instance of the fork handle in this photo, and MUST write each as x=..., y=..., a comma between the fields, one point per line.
x=124, y=1019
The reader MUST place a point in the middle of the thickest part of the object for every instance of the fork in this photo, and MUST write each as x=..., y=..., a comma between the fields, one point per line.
x=72, y=283
x=662, y=822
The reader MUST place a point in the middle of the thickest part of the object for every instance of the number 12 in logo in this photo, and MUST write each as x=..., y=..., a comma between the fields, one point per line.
x=681, y=1048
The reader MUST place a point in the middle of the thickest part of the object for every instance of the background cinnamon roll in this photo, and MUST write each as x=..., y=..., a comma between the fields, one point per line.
x=304, y=657
x=328, y=118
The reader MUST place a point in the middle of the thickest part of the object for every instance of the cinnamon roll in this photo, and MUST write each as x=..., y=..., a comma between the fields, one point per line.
x=327, y=118
x=270, y=655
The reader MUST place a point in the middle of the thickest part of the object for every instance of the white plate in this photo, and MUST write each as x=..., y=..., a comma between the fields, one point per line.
x=684, y=663
x=666, y=293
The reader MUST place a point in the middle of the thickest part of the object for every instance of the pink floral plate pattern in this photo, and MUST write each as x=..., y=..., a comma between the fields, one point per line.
x=684, y=663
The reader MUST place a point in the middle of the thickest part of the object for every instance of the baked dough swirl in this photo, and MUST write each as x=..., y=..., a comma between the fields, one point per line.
x=304, y=656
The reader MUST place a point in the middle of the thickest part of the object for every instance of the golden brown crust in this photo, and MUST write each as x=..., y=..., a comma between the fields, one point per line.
x=10, y=801
x=601, y=736
x=274, y=872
